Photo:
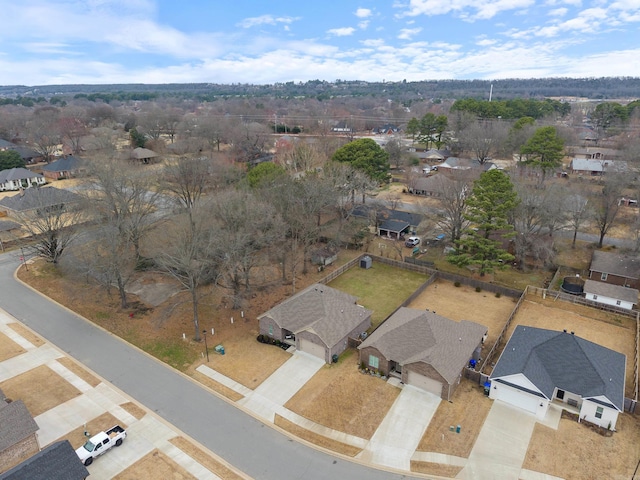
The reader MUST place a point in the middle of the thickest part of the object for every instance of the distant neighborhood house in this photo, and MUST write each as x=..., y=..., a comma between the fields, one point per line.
x=65, y=167
x=19, y=178
x=583, y=166
x=615, y=269
x=600, y=292
x=38, y=198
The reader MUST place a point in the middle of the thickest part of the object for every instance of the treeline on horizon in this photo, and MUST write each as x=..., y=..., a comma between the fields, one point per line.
x=403, y=92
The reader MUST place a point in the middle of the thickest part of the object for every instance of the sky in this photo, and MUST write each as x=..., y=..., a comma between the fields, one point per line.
x=48, y=42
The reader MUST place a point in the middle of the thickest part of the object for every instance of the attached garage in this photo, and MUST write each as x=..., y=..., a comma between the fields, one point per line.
x=518, y=398
x=312, y=348
x=425, y=383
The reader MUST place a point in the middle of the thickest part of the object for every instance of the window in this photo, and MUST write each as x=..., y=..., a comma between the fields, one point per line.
x=595, y=297
x=603, y=276
x=270, y=329
x=374, y=362
x=599, y=411
x=618, y=302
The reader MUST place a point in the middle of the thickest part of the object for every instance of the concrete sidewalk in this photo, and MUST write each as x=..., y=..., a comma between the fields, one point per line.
x=396, y=439
x=281, y=385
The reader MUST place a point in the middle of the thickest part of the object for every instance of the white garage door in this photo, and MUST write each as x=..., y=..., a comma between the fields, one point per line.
x=519, y=399
x=312, y=348
x=425, y=383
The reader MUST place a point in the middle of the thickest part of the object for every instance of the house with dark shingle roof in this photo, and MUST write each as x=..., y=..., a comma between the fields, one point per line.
x=143, y=155
x=615, y=269
x=538, y=367
x=600, y=292
x=18, y=439
x=36, y=198
x=17, y=178
x=423, y=349
x=318, y=320
x=597, y=167
x=65, y=167
x=389, y=223
x=56, y=462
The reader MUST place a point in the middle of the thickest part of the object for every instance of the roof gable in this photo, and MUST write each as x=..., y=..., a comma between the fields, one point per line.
x=64, y=164
x=17, y=173
x=16, y=423
x=56, y=462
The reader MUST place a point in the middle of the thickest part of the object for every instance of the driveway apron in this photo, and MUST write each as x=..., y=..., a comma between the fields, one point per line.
x=399, y=434
x=284, y=383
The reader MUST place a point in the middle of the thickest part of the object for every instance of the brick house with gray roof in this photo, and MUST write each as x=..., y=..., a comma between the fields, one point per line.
x=18, y=439
x=538, y=367
x=423, y=349
x=56, y=462
x=615, y=268
x=318, y=320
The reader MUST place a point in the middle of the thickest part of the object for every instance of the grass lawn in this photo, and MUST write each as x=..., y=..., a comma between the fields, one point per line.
x=381, y=288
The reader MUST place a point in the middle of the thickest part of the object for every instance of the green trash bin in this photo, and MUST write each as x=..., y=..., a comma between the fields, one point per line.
x=219, y=349
x=458, y=428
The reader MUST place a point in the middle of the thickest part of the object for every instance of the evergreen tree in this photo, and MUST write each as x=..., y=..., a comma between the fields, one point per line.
x=488, y=208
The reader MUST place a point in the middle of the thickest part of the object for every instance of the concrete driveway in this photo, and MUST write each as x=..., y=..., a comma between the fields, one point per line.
x=501, y=447
x=284, y=383
x=398, y=436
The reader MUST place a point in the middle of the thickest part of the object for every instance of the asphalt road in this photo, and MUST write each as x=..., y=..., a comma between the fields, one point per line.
x=246, y=443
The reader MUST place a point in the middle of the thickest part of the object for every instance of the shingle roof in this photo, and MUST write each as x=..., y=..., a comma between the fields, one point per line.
x=64, y=164
x=17, y=174
x=56, y=462
x=411, y=336
x=600, y=165
x=5, y=226
x=7, y=144
x=325, y=311
x=551, y=360
x=16, y=423
x=617, y=292
x=615, y=264
x=388, y=214
x=38, y=197
x=394, y=225
x=139, y=153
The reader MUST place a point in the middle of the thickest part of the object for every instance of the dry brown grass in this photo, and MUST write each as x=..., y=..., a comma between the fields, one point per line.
x=134, y=409
x=449, y=471
x=99, y=424
x=576, y=452
x=29, y=388
x=9, y=348
x=610, y=331
x=340, y=397
x=316, y=439
x=81, y=372
x=25, y=333
x=469, y=409
x=216, y=386
x=464, y=303
x=204, y=459
x=155, y=465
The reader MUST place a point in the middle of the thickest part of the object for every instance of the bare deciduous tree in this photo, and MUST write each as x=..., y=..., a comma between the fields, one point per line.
x=606, y=204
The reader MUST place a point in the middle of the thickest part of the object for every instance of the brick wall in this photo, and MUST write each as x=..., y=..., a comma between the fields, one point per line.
x=19, y=452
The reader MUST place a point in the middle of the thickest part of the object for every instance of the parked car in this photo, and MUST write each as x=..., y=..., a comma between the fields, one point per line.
x=411, y=242
x=100, y=443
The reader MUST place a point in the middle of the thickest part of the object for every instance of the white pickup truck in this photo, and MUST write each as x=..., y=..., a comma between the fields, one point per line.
x=100, y=443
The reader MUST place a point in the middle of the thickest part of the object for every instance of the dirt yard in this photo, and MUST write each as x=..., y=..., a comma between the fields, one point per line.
x=9, y=348
x=340, y=397
x=29, y=386
x=155, y=465
x=575, y=452
x=469, y=409
x=464, y=303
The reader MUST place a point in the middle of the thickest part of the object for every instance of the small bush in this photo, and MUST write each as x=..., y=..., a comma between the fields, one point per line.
x=478, y=289
x=456, y=284
x=498, y=294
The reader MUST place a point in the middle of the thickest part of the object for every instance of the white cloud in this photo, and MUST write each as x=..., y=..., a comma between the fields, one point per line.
x=467, y=9
x=363, y=25
x=363, y=13
x=265, y=20
x=341, y=32
x=558, y=12
x=407, y=33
